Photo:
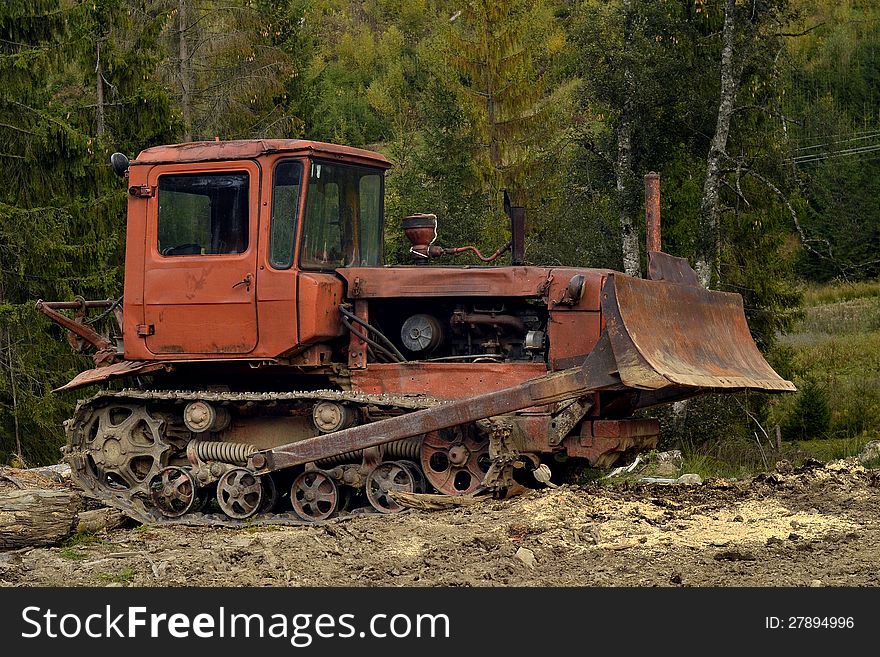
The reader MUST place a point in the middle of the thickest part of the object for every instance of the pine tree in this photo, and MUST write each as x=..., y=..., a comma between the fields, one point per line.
x=499, y=62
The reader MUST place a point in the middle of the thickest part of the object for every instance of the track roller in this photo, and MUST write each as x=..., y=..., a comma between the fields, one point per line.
x=314, y=495
x=385, y=478
x=174, y=492
x=240, y=493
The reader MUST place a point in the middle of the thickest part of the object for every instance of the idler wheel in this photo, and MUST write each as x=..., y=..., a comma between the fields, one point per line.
x=314, y=495
x=240, y=493
x=386, y=478
x=174, y=491
x=455, y=460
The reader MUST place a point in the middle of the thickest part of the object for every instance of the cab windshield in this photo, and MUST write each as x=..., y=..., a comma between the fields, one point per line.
x=343, y=221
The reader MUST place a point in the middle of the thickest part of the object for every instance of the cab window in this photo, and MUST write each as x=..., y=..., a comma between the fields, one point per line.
x=203, y=214
x=286, y=185
x=343, y=222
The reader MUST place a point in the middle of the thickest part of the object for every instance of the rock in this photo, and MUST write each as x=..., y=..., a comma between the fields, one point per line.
x=816, y=583
x=734, y=555
x=527, y=557
x=690, y=479
x=870, y=452
x=668, y=463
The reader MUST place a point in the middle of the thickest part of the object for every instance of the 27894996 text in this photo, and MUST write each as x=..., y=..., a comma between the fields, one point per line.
x=809, y=622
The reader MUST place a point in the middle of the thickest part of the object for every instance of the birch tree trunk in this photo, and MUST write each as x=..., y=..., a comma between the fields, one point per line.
x=710, y=204
x=623, y=165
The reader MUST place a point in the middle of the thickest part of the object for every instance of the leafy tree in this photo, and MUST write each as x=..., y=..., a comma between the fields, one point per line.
x=833, y=111
x=226, y=68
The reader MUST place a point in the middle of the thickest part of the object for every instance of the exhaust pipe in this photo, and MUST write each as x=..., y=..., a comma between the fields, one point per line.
x=652, y=211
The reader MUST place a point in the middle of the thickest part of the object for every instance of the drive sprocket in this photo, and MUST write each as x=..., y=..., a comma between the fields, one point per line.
x=119, y=446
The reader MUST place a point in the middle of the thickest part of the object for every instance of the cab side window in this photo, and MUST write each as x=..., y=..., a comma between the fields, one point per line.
x=286, y=186
x=203, y=214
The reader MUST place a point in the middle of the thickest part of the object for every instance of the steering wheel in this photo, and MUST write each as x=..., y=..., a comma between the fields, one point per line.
x=183, y=249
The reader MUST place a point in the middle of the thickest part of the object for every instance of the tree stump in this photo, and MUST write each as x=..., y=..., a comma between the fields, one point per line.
x=31, y=518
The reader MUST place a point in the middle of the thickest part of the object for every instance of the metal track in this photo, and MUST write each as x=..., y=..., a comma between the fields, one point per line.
x=138, y=509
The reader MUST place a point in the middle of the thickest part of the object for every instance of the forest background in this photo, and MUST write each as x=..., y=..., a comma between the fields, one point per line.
x=762, y=118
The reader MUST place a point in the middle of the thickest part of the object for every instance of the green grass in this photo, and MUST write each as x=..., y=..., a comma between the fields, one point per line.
x=739, y=459
x=122, y=577
x=72, y=554
x=709, y=466
x=72, y=548
x=836, y=292
x=829, y=449
x=837, y=345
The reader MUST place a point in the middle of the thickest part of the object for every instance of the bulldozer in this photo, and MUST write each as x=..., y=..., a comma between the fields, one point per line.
x=266, y=366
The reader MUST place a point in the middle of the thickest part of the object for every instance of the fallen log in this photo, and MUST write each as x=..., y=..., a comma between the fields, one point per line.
x=31, y=518
x=432, y=502
x=39, y=517
x=96, y=520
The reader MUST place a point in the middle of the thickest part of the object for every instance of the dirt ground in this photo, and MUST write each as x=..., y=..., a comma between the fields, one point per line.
x=815, y=526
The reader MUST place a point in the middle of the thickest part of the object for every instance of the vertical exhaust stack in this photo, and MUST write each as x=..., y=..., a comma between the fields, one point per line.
x=652, y=211
x=662, y=266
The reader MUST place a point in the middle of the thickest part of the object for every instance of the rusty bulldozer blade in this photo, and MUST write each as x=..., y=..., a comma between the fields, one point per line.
x=665, y=336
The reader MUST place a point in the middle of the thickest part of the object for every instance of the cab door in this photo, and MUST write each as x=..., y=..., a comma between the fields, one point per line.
x=200, y=273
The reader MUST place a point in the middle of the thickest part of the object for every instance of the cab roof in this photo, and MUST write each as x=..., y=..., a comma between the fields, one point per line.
x=243, y=149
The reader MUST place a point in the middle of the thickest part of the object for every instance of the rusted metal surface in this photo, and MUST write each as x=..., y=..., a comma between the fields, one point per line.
x=547, y=389
x=664, y=267
x=202, y=304
x=386, y=479
x=616, y=343
x=455, y=460
x=357, y=345
x=561, y=281
x=114, y=371
x=319, y=298
x=652, y=211
x=621, y=428
x=564, y=420
x=603, y=442
x=76, y=305
x=78, y=328
x=443, y=380
x=666, y=335
x=572, y=336
x=488, y=319
x=314, y=495
x=517, y=235
x=417, y=281
x=245, y=149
